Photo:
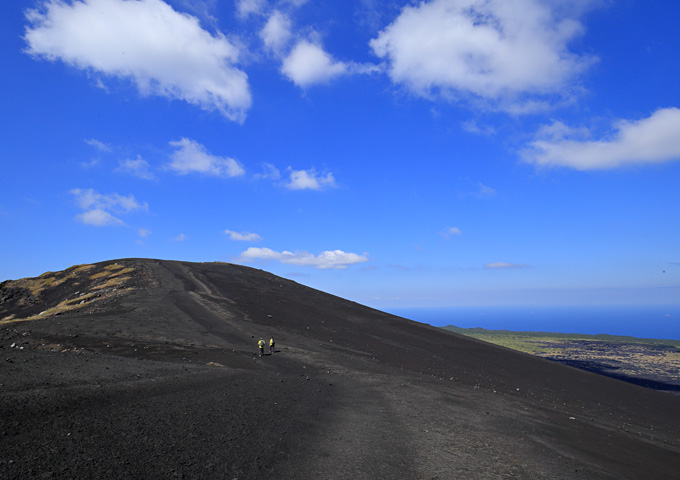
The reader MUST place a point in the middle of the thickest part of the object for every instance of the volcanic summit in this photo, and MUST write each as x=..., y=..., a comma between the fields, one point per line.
x=139, y=368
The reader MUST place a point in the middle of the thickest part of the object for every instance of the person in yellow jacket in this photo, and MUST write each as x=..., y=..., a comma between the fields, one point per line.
x=271, y=345
x=261, y=345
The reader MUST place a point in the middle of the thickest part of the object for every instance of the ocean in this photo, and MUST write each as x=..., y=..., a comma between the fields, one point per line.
x=636, y=321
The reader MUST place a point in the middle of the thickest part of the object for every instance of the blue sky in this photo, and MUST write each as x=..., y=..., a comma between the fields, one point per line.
x=396, y=153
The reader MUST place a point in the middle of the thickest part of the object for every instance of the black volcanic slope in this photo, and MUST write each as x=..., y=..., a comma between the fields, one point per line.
x=147, y=369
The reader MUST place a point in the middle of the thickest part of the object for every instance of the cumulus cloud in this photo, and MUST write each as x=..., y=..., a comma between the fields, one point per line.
x=309, y=180
x=243, y=236
x=277, y=32
x=98, y=207
x=336, y=259
x=308, y=64
x=139, y=168
x=497, y=50
x=164, y=52
x=192, y=157
x=655, y=139
x=498, y=265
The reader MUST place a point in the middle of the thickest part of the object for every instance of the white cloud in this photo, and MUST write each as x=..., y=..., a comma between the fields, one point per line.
x=179, y=238
x=98, y=207
x=91, y=163
x=89, y=198
x=500, y=265
x=654, y=139
x=192, y=157
x=485, y=191
x=269, y=172
x=243, y=236
x=472, y=126
x=99, y=218
x=451, y=231
x=203, y=9
x=143, y=232
x=138, y=167
x=498, y=50
x=162, y=51
x=245, y=8
x=309, y=180
x=98, y=145
x=277, y=32
x=308, y=64
x=336, y=259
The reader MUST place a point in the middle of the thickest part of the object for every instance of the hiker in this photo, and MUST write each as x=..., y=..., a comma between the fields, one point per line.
x=271, y=345
x=261, y=345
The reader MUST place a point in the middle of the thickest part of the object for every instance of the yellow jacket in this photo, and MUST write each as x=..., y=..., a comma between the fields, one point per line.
x=260, y=344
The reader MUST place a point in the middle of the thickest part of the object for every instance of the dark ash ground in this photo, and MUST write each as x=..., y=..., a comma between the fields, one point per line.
x=147, y=369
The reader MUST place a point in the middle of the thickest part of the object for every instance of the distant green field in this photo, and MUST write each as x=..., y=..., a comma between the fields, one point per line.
x=549, y=344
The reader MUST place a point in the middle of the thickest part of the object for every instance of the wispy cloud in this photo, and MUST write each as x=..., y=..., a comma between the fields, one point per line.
x=163, y=52
x=473, y=126
x=485, y=191
x=269, y=171
x=192, y=157
x=336, y=259
x=98, y=218
x=502, y=51
x=179, y=238
x=309, y=180
x=204, y=10
x=98, y=208
x=466, y=187
x=98, y=145
x=243, y=236
x=276, y=34
x=451, y=232
x=138, y=167
x=501, y=265
x=654, y=139
x=246, y=8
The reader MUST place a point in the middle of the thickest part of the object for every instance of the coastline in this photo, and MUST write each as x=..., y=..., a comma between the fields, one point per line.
x=641, y=321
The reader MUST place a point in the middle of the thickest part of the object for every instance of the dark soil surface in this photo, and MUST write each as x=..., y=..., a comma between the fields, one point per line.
x=153, y=373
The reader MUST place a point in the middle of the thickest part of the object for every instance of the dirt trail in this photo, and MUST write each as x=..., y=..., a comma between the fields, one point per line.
x=361, y=437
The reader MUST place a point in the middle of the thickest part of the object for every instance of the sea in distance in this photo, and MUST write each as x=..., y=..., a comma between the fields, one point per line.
x=643, y=321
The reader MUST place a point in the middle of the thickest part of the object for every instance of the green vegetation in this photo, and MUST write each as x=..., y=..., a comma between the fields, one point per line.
x=535, y=342
x=645, y=359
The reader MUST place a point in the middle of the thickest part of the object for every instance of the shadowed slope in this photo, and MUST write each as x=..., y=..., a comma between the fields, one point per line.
x=168, y=370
